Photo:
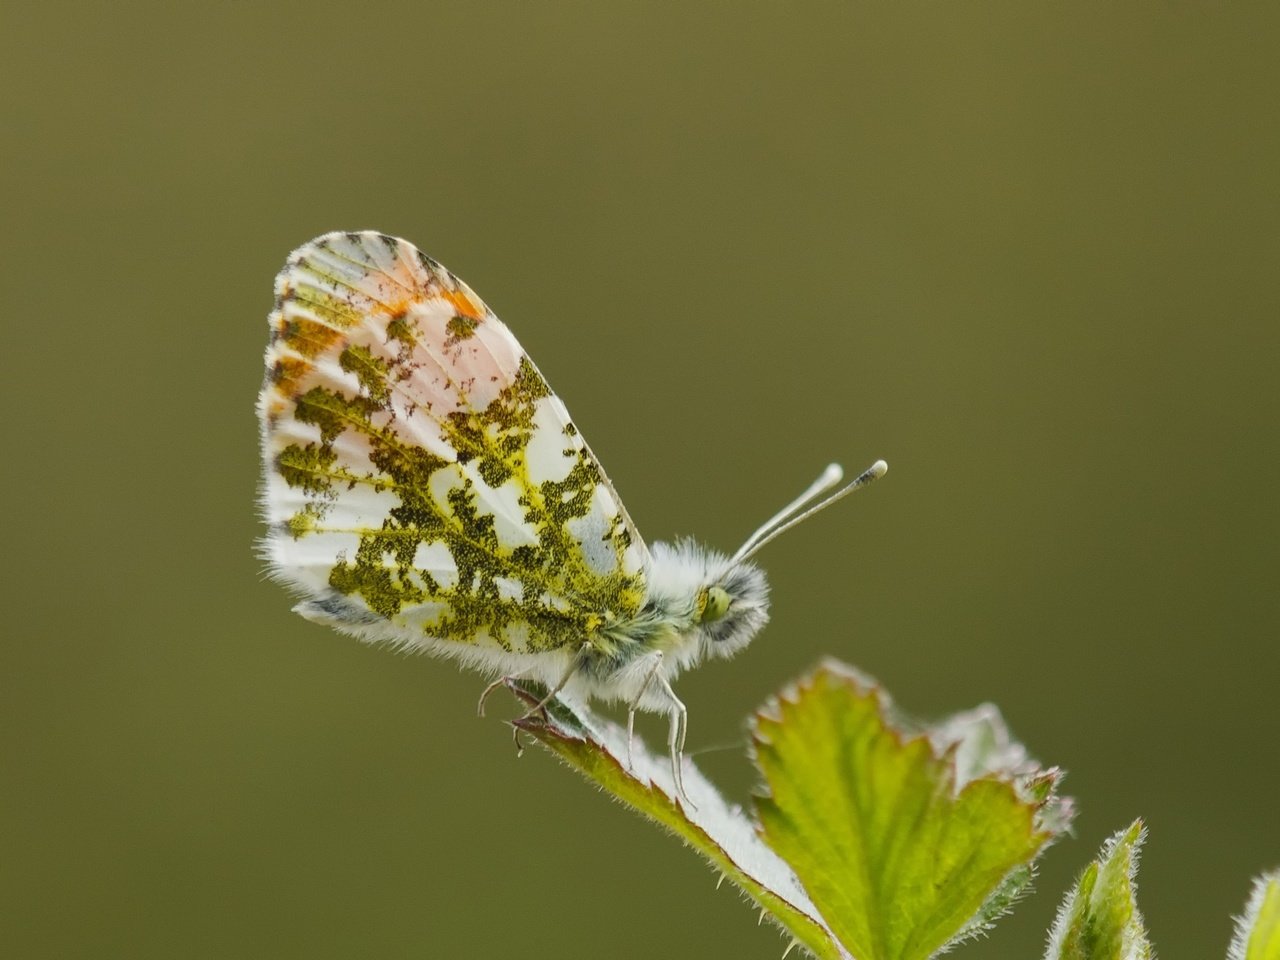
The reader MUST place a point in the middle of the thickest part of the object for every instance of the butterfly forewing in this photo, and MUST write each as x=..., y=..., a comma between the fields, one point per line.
x=423, y=485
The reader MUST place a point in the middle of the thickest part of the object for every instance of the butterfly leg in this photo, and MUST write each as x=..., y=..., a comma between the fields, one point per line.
x=484, y=695
x=574, y=665
x=675, y=738
x=635, y=703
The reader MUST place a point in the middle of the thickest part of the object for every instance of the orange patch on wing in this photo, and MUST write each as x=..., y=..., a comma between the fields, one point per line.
x=397, y=309
x=463, y=304
x=287, y=371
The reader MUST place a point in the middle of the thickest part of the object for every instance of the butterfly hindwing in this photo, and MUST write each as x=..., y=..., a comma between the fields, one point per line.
x=423, y=485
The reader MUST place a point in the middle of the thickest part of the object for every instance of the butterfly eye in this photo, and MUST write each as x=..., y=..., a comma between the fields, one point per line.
x=716, y=605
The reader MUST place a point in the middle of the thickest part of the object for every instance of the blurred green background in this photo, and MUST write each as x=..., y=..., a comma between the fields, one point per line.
x=1025, y=253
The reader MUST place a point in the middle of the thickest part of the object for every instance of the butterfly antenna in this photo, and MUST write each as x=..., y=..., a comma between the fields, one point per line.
x=829, y=477
x=797, y=510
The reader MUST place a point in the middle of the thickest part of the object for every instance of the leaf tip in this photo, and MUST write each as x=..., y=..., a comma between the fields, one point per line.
x=1099, y=918
x=1257, y=929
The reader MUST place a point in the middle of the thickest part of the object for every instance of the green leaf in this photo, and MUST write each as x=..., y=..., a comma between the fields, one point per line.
x=1258, y=929
x=719, y=831
x=1099, y=920
x=906, y=843
x=879, y=839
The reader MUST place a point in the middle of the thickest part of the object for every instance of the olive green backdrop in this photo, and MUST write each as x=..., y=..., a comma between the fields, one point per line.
x=1027, y=253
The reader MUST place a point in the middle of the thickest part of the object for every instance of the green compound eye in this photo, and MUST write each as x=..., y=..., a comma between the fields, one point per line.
x=717, y=605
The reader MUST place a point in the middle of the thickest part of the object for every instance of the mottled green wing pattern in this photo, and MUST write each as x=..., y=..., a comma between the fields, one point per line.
x=422, y=484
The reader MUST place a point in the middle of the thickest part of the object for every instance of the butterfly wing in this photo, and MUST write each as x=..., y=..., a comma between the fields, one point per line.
x=422, y=484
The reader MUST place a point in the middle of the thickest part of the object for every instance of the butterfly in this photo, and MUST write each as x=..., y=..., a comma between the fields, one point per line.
x=424, y=487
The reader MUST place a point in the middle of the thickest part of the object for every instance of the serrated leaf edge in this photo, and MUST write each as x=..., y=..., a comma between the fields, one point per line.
x=1035, y=787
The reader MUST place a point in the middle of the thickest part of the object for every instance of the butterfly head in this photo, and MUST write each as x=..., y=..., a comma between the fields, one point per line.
x=715, y=605
x=732, y=603
x=732, y=607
